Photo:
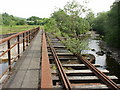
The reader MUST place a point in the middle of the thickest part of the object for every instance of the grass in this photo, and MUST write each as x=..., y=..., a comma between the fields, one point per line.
x=15, y=29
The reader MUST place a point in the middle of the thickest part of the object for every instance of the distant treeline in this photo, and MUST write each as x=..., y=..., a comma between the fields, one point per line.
x=10, y=20
x=108, y=25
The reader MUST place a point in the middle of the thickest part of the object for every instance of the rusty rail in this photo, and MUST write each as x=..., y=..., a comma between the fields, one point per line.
x=46, y=78
x=99, y=74
x=27, y=36
x=110, y=83
x=65, y=81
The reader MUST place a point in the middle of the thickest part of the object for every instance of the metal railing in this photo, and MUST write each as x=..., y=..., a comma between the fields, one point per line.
x=23, y=38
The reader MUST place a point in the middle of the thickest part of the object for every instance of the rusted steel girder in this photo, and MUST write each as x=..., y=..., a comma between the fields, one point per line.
x=46, y=78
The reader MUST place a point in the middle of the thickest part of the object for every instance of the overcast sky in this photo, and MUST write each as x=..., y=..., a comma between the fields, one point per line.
x=43, y=8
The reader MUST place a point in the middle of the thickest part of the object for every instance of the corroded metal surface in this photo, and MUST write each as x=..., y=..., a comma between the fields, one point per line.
x=65, y=81
x=46, y=79
x=110, y=83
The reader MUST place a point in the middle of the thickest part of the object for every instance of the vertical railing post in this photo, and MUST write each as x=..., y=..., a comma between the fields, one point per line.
x=26, y=38
x=18, y=40
x=29, y=36
x=9, y=55
x=33, y=34
x=23, y=42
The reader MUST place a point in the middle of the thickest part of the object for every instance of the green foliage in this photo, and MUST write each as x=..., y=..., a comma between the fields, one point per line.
x=51, y=26
x=33, y=20
x=100, y=22
x=10, y=20
x=6, y=19
x=1, y=20
x=112, y=36
x=21, y=22
x=83, y=26
x=69, y=19
x=108, y=24
x=68, y=22
x=76, y=45
x=61, y=19
x=90, y=18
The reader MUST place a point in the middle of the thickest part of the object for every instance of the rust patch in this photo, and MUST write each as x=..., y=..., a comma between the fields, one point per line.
x=46, y=79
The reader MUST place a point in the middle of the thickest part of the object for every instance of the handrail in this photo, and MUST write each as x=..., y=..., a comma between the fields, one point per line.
x=26, y=37
x=15, y=35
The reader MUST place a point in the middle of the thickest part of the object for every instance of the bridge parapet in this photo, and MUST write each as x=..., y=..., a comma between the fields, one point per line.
x=21, y=41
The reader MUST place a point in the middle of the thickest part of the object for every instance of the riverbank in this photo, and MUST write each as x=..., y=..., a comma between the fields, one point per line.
x=110, y=51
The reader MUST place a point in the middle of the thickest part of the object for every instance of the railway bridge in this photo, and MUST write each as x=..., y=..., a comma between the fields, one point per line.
x=41, y=61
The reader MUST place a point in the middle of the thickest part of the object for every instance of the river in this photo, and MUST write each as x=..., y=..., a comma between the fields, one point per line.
x=14, y=53
x=105, y=61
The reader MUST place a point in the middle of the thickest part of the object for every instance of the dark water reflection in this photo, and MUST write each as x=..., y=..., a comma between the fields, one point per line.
x=113, y=67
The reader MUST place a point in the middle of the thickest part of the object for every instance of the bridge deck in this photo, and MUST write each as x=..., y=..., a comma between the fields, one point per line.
x=27, y=69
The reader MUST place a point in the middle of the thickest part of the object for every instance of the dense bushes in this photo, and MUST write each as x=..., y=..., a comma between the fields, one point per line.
x=108, y=24
x=10, y=20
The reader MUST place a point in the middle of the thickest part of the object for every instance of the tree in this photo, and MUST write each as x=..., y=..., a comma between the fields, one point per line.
x=100, y=23
x=6, y=19
x=61, y=19
x=33, y=20
x=51, y=26
x=113, y=27
x=69, y=19
x=77, y=23
x=108, y=24
x=71, y=24
x=12, y=20
x=21, y=22
x=90, y=18
x=1, y=20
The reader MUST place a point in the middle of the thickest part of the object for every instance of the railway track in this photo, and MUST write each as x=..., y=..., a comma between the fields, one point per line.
x=67, y=72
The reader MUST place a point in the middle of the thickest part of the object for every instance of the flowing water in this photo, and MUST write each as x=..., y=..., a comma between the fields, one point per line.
x=105, y=61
